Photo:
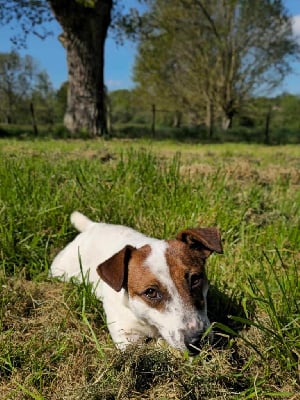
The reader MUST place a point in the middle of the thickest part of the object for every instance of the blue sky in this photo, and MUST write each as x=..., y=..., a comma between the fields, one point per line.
x=51, y=56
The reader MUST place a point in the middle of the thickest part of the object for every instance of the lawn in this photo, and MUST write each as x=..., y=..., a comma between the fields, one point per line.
x=54, y=342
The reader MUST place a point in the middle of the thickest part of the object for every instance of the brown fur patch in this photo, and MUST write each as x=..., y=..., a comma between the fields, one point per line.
x=183, y=262
x=140, y=278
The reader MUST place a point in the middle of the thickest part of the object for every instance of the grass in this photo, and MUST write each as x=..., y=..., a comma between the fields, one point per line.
x=53, y=339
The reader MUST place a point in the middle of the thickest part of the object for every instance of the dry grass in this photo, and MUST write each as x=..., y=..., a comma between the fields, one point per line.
x=42, y=329
x=50, y=336
x=245, y=170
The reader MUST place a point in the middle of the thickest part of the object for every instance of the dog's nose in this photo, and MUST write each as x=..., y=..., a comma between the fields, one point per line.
x=192, y=343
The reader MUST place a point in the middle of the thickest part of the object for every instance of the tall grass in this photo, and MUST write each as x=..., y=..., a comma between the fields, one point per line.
x=252, y=196
x=277, y=295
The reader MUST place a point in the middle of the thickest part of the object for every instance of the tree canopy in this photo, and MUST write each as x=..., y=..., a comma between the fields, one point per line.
x=23, y=83
x=208, y=57
x=32, y=16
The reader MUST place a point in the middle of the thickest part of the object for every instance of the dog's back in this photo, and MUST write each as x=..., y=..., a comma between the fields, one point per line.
x=95, y=243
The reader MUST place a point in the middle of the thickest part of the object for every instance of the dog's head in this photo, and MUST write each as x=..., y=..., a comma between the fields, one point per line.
x=167, y=284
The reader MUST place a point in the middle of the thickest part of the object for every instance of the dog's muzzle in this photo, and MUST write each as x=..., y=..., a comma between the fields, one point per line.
x=194, y=341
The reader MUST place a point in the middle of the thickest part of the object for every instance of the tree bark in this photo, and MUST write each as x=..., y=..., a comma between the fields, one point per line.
x=267, y=126
x=226, y=122
x=229, y=112
x=210, y=118
x=177, y=119
x=84, y=33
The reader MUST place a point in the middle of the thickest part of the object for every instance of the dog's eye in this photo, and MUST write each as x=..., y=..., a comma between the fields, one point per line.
x=153, y=294
x=196, y=280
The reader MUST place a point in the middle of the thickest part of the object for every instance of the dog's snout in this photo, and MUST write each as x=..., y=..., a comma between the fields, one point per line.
x=193, y=343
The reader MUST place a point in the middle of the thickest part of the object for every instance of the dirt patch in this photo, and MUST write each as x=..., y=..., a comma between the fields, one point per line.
x=243, y=170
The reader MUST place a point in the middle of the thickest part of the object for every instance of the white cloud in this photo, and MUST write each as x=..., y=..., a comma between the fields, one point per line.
x=114, y=84
x=296, y=25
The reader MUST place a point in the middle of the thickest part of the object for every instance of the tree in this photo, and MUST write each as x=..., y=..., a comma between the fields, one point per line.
x=18, y=76
x=61, y=99
x=43, y=99
x=122, y=109
x=9, y=65
x=155, y=75
x=85, y=24
x=217, y=54
x=287, y=113
x=85, y=29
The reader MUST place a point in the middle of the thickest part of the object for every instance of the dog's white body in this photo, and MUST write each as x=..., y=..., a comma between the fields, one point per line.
x=97, y=243
x=142, y=288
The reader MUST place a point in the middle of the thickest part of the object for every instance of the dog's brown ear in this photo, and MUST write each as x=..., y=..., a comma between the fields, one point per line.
x=205, y=240
x=114, y=271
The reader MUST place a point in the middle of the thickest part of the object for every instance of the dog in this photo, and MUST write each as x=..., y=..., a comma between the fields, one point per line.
x=149, y=288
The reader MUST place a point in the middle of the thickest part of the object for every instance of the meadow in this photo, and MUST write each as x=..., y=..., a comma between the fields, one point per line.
x=54, y=343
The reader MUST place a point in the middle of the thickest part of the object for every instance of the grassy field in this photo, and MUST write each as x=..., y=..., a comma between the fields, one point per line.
x=53, y=339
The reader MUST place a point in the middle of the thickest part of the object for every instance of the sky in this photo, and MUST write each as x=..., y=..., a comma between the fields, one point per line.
x=119, y=60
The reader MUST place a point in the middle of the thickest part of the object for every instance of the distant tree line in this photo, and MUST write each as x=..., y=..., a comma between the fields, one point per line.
x=27, y=98
x=204, y=61
x=263, y=119
x=26, y=93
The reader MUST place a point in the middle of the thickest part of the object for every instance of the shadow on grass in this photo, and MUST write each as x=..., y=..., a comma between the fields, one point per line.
x=184, y=134
x=221, y=307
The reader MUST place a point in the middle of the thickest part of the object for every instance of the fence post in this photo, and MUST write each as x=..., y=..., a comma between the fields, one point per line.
x=153, y=120
x=33, y=120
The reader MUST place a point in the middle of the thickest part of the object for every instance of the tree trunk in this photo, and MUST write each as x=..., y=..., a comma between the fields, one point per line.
x=84, y=34
x=267, y=126
x=227, y=121
x=9, y=119
x=210, y=117
x=177, y=119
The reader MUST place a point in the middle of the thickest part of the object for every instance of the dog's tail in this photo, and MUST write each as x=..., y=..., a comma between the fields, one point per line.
x=80, y=221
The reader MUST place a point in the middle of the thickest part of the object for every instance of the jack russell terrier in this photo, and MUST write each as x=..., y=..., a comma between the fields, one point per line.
x=150, y=288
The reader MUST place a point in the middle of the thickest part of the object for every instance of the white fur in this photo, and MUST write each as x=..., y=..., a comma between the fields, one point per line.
x=128, y=319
